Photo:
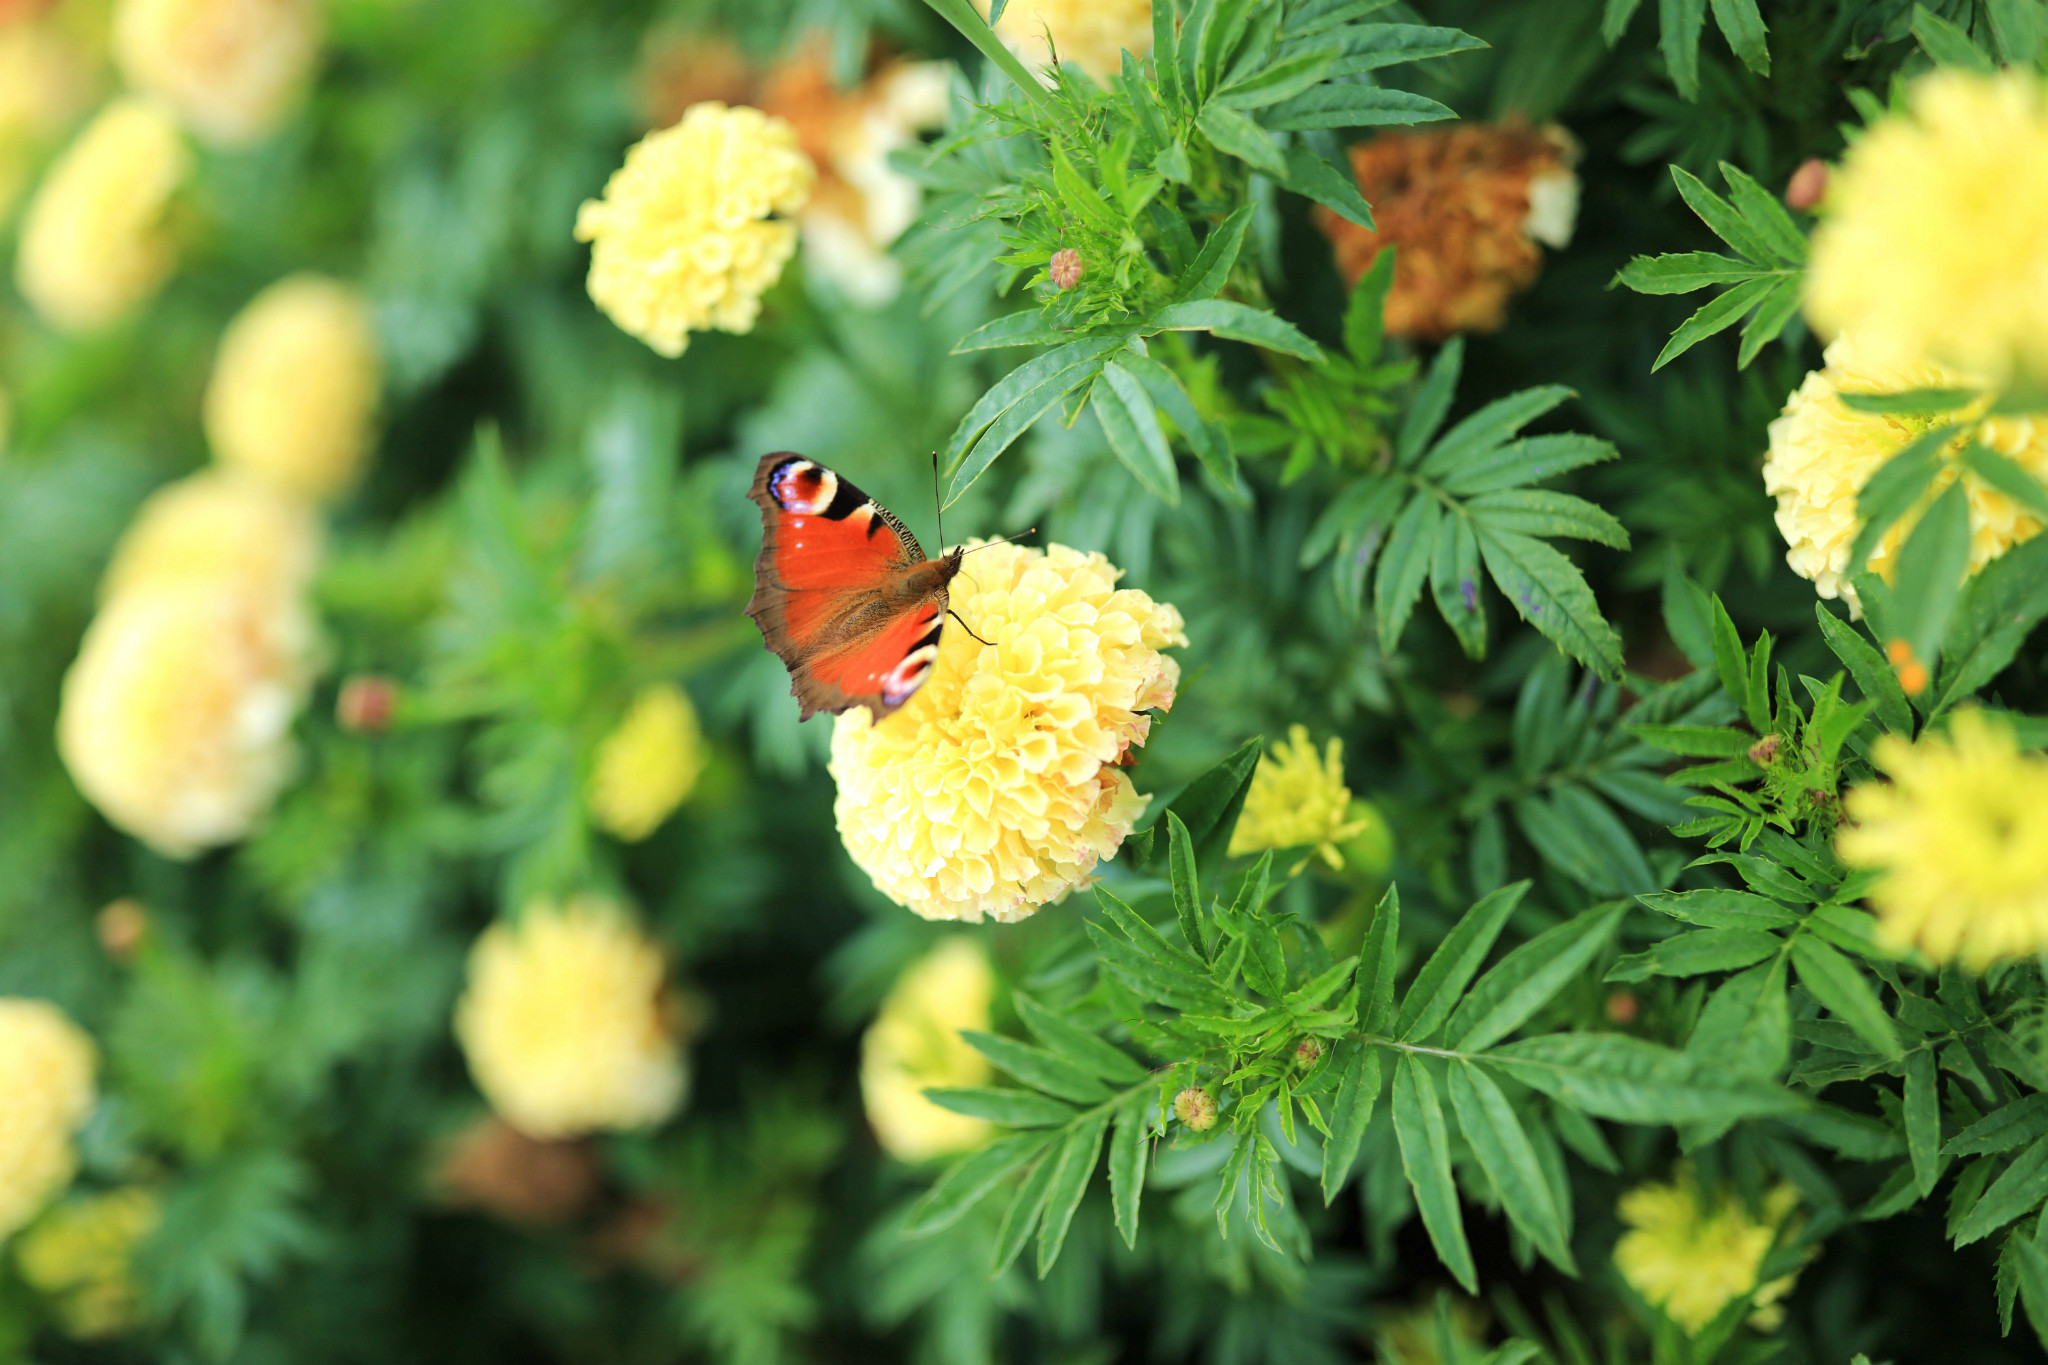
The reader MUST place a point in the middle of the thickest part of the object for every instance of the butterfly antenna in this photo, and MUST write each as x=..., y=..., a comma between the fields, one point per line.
x=1000, y=540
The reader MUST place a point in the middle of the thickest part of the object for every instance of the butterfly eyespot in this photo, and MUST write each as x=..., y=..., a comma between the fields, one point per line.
x=908, y=674
x=804, y=488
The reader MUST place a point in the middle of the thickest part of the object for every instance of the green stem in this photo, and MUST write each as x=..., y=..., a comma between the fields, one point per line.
x=975, y=29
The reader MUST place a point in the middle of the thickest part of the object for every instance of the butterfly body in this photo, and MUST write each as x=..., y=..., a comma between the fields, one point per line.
x=843, y=593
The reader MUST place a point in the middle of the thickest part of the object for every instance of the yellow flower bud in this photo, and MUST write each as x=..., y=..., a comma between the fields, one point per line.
x=647, y=764
x=915, y=1045
x=232, y=69
x=46, y=1075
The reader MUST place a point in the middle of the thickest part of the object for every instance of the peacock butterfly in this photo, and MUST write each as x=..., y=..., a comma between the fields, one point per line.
x=842, y=591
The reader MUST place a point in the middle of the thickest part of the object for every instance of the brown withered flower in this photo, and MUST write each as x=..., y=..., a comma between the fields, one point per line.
x=1468, y=207
x=493, y=1167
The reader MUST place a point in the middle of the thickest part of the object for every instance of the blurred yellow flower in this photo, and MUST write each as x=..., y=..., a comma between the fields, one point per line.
x=93, y=244
x=1961, y=833
x=219, y=527
x=565, y=1023
x=295, y=386
x=682, y=240
x=1934, y=239
x=647, y=764
x=1408, y=1334
x=1090, y=34
x=1692, y=1254
x=46, y=1075
x=1822, y=453
x=176, y=716
x=915, y=1045
x=81, y=1256
x=995, y=788
x=1297, y=800
x=232, y=69
x=43, y=85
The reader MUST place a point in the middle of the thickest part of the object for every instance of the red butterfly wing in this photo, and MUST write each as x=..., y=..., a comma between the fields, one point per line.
x=842, y=590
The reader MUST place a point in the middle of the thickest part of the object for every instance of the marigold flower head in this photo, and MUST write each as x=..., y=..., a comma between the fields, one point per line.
x=1934, y=240
x=232, y=69
x=1691, y=1252
x=1823, y=452
x=295, y=385
x=81, y=1255
x=46, y=1073
x=994, y=789
x=1961, y=834
x=682, y=239
x=647, y=765
x=1090, y=34
x=915, y=1045
x=1467, y=207
x=1298, y=800
x=176, y=716
x=93, y=244
x=565, y=1023
x=217, y=526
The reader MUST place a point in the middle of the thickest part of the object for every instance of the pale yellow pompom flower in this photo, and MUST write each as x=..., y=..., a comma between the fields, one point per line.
x=43, y=85
x=232, y=69
x=565, y=1022
x=94, y=244
x=915, y=1045
x=1961, y=834
x=1934, y=240
x=46, y=1075
x=1692, y=1253
x=1298, y=800
x=295, y=386
x=221, y=527
x=176, y=716
x=81, y=1256
x=1090, y=34
x=1823, y=453
x=647, y=765
x=683, y=240
x=995, y=788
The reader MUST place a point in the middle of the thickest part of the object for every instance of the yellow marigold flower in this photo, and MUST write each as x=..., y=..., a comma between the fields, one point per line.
x=46, y=1071
x=682, y=240
x=93, y=244
x=295, y=386
x=1961, y=832
x=1934, y=243
x=81, y=1256
x=1691, y=1253
x=1090, y=34
x=1297, y=800
x=42, y=86
x=565, y=1022
x=648, y=764
x=1822, y=453
x=176, y=716
x=232, y=69
x=219, y=527
x=995, y=789
x=914, y=1045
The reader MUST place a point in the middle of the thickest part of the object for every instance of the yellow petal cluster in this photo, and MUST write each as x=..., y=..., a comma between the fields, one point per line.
x=81, y=1256
x=1961, y=834
x=231, y=69
x=1298, y=800
x=915, y=1045
x=1822, y=453
x=217, y=527
x=994, y=789
x=46, y=1075
x=565, y=1023
x=295, y=385
x=1090, y=34
x=648, y=764
x=94, y=243
x=1934, y=242
x=1692, y=1252
x=683, y=239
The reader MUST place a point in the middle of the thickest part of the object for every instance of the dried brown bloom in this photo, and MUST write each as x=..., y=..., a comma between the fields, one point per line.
x=1307, y=1051
x=1804, y=190
x=1764, y=750
x=494, y=1167
x=1623, y=1007
x=1065, y=267
x=121, y=926
x=366, y=703
x=681, y=68
x=1466, y=206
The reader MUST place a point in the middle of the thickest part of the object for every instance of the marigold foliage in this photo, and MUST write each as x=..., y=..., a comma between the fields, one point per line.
x=914, y=1045
x=46, y=1073
x=683, y=239
x=647, y=765
x=1933, y=243
x=1298, y=800
x=81, y=1254
x=565, y=1023
x=1692, y=1251
x=232, y=69
x=994, y=790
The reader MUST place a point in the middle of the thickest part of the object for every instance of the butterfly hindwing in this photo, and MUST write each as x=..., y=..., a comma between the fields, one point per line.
x=842, y=590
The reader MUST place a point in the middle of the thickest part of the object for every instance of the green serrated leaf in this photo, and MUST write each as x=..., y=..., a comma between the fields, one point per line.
x=1073, y=1164
x=1841, y=986
x=1442, y=980
x=1128, y=1151
x=1505, y=1153
x=1426, y=1158
x=1528, y=977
